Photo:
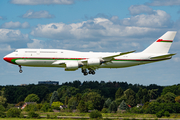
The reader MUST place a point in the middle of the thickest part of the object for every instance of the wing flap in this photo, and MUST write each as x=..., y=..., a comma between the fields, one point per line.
x=162, y=56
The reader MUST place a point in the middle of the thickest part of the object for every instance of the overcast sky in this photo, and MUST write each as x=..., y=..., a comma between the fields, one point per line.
x=89, y=25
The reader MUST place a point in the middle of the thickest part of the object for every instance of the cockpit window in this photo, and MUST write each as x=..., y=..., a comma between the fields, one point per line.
x=16, y=51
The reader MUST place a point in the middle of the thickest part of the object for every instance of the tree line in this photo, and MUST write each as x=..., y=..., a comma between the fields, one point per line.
x=91, y=95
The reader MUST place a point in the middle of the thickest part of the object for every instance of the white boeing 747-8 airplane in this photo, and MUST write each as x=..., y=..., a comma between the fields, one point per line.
x=73, y=60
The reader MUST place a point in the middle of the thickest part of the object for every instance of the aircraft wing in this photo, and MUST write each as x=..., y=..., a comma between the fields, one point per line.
x=112, y=57
x=162, y=56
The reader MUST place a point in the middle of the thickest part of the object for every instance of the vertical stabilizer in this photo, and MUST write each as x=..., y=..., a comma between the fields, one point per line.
x=163, y=44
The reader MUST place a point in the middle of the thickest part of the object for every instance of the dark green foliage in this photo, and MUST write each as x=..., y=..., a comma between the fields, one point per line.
x=113, y=107
x=95, y=114
x=13, y=112
x=31, y=107
x=142, y=96
x=167, y=98
x=72, y=103
x=123, y=106
x=54, y=97
x=166, y=113
x=82, y=106
x=104, y=110
x=107, y=103
x=131, y=97
x=32, y=114
x=153, y=93
x=119, y=93
x=46, y=107
x=66, y=91
x=2, y=108
x=119, y=100
x=2, y=114
x=160, y=114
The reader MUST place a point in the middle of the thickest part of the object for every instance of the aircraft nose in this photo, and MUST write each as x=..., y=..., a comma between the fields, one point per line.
x=7, y=59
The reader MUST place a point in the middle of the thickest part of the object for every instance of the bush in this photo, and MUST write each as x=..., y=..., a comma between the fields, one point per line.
x=2, y=114
x=2, y=108
x=166, y=113
x=33, y=115
x=45, y=107
x=13, y=112
x=104, y=110
x=95, y=114
x=31, y=107
x=160, y=114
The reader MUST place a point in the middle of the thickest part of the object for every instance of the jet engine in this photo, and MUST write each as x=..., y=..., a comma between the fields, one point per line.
x=72, y=66
x=94, y=62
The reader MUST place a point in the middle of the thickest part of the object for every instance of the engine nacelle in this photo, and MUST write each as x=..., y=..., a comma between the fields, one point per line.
x=94, y=62
x=72, y=66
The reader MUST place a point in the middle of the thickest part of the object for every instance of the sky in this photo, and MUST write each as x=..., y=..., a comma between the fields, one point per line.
x=89, y=25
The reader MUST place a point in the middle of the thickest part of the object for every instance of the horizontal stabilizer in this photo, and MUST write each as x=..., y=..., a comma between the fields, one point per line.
x=162, y=56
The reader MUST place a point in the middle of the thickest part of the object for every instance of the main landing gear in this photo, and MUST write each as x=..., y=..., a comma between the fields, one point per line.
x=91, y=71
x=20, y=69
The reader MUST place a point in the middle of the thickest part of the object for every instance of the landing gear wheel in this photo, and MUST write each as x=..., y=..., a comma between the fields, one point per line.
x=93, y=73
x=20, y=71
x=85, y=73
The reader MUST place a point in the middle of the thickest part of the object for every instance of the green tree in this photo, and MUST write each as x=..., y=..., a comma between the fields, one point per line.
x=167, y=98
x=13, y=112
x=119, y=93
x=146, y=97
x=95, y=114
x=93, y=99
x=46, y=107
x=130, y=96
x=3, y=99
x=66, y=91
x=113, y=107
x=123, y=106
x=177, y=99
x=72, y=103
x=56, y=105
x=54, y=97
x=31, y=98
x=82, y=107
x=107, y=103
x=153, y=93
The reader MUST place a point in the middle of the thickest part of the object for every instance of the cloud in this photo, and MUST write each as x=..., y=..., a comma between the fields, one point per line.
x=97, y=28
x=164, y=2
x=12, y=35
x=36, y=44
x=14, y=25
x=41, y=2
x=138, y=9
x=158, y=19
x=40, y=14
x=5, y=47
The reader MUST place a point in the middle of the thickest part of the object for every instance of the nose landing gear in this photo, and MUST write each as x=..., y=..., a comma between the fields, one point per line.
x=20, y=69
